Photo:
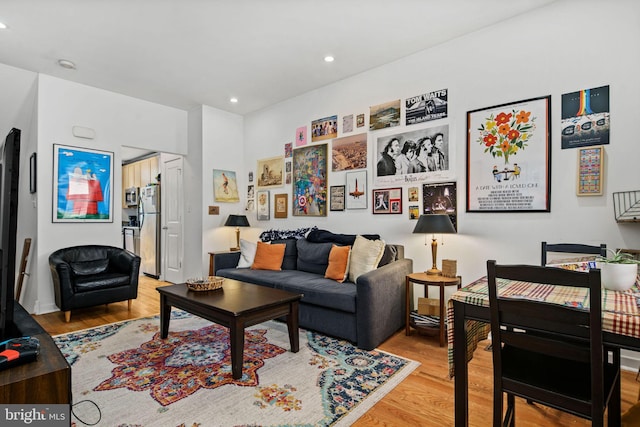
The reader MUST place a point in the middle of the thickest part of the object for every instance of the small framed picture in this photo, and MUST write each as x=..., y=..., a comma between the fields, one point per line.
x=336, y=198
x=263, y=205
x=414, y=194
x=281, y=202
x=356, y=192
x=414, y=212
x=387, y=201
x=590, y=177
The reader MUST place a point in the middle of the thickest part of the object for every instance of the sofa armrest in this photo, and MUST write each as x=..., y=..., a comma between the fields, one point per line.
x=381, y=302
x=225, y=260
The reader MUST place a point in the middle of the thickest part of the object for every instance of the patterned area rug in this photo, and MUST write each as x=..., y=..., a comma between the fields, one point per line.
x=125, y=375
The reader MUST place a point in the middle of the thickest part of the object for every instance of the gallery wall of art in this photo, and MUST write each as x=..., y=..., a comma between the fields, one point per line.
x=536, y=55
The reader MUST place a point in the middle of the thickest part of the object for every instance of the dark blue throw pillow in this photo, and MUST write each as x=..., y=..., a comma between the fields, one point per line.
x=313, y=257
x=290, y=260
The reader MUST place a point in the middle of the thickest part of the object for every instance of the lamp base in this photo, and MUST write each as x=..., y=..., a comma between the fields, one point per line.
x=234, y=249
x=434, y=271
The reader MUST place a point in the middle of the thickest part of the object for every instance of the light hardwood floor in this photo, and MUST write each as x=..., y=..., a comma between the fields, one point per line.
x=425, y=398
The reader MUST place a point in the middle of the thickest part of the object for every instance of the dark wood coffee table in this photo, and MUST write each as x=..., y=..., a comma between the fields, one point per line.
x=236, y=305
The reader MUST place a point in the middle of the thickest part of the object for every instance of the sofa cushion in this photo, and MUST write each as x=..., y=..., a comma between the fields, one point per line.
x=338, y=267
x=365, y=256
x=313, y=257
x=86, y=268
x=316, y=289
x=268, y=256
x=290, y=261
x=247, y=253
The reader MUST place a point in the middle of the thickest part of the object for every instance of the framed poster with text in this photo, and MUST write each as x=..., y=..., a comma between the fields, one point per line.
x=509, y=157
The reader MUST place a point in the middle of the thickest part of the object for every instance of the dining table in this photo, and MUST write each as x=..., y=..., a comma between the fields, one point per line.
x=468, y=320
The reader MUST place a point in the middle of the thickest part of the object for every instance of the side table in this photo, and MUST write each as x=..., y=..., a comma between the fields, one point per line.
x=428, y=280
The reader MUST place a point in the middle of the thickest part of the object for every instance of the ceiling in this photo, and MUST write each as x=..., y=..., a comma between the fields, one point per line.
x=192, y=52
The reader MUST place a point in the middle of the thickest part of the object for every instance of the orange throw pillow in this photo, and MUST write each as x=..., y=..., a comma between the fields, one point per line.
x=338, y=263
x=268, y=256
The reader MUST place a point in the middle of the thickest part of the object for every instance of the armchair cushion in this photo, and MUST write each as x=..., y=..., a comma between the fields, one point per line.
x=87, y=268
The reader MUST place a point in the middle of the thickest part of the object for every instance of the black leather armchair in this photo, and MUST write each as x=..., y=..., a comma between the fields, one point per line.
x=85, y=276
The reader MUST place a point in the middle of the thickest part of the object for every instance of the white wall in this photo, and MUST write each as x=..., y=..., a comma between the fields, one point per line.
x=222, y=148
x=564, y=47
x=117, y=120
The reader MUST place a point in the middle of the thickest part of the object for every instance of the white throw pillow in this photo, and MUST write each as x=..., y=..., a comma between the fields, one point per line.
x=247, y=253
x=365, y=256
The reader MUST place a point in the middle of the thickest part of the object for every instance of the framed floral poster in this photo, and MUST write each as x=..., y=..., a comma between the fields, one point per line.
x=310, y=181
x=509, y=157
x=82, y=185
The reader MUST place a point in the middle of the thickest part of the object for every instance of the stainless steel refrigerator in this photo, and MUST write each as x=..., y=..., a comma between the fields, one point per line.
x=150, y=224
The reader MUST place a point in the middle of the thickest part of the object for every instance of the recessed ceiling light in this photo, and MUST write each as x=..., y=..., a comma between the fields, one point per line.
x=65, y=63
x=234, y=100
x=328, y=58
x=3, y=26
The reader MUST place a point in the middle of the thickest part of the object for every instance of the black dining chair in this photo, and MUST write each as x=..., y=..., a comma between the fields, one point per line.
x=551, y=354
x=572, y=248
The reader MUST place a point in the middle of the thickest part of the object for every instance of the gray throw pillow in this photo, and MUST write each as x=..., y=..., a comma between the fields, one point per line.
x=313, y=257
x=290, y=260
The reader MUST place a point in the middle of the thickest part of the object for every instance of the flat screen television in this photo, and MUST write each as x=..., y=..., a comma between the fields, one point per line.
x=9, y=177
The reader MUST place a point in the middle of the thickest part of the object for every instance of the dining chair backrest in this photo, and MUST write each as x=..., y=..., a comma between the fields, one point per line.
x=571, y=248
x=566, y=339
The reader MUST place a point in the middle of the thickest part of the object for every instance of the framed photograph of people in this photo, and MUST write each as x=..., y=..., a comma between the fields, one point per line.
x=82, y=183
x=590, y=176
x=336, y=198
x=356, y=192
x=281, y=202
x=420, y=155
x=387, y=201
x=310, y=181
x=508, y=157
x=263, y=205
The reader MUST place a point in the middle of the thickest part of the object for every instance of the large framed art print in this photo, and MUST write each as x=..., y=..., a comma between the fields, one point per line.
x=509, y=157
x=82, y=185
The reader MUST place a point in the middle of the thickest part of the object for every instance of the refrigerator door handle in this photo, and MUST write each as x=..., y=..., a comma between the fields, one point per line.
x=141, y=211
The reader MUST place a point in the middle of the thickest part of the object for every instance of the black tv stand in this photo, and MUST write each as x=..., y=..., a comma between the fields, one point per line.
x=45, y=381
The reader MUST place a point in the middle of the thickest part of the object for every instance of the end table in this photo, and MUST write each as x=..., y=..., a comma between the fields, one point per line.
x=428, y=280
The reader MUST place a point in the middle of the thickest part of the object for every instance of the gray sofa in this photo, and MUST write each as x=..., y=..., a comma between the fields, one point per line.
x=366, y=312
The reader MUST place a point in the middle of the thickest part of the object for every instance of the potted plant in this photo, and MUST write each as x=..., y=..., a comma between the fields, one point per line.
x=619, y=271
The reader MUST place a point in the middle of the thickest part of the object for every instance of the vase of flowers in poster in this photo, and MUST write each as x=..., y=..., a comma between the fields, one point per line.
x=310, y=181
x=508, y=157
